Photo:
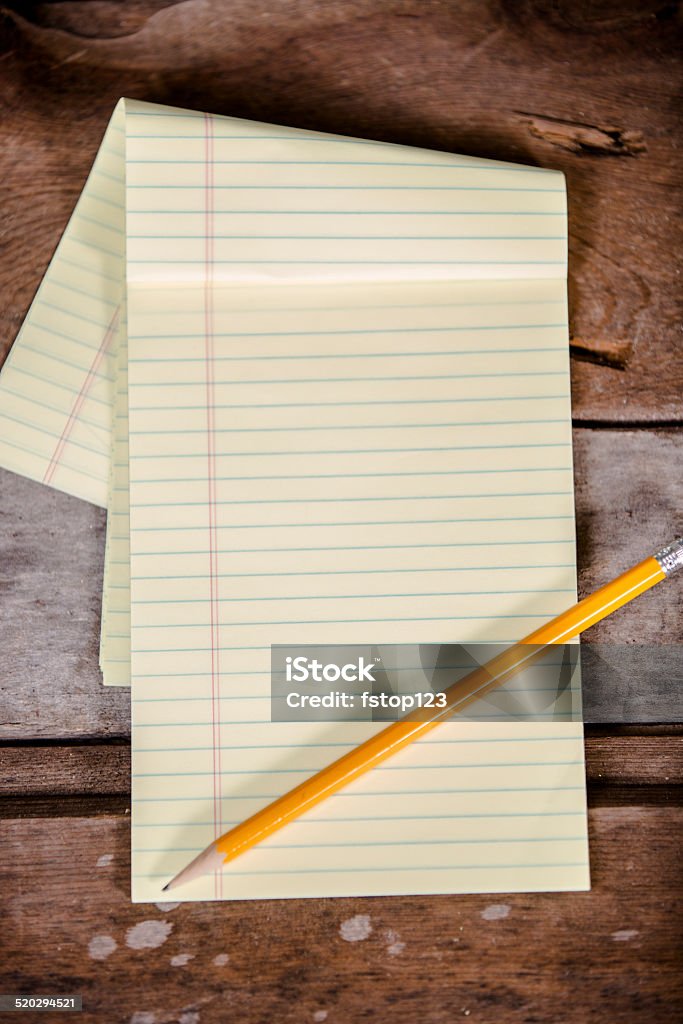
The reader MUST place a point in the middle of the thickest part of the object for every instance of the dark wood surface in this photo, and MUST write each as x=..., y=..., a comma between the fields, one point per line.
x=587, y=87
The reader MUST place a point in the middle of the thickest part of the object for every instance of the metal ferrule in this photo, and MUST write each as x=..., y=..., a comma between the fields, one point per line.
x=671, y=557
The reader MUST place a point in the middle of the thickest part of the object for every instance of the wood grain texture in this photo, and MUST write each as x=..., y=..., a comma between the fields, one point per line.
x=608, y=956
x=59, y=770
x=589, y=88
x=52, y=547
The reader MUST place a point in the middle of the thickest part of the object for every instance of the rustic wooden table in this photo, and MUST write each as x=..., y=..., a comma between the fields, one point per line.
x=587, y=87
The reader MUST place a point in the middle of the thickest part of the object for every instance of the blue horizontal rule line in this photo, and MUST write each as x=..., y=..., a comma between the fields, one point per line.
x=68, y=312
x=285, y=428
x=448, y=165
x=355, y=796
x=385, y=869
x=295, y=746
x=444, y=165
x=359, y=380
x=366, y=498
x=53, y=408
x=55, y=437
x=63, y=387
x=266, y=698
x=86, y=371
x=467, y=766
x=91, y=194
x=353, y=355
x=360, y=572
x=496, y=717
x=322, y=622
x=371, y=402
x=394, y=306
x=110, y=177
x=568, y=717
x=46, y=456
x=88, y=244
x=379, y=817
x=329, y=140
x=450, y=328
x=262, y=672
x=342, y=476
x=367, y=238
x=342, y=213
x=285, y=452
x=353, y=522
x=278, y=187
x=481, y=841
x=356, y=597
x=52, y=280
x=100, y=223
x=94, y=270
x=358, y=547
x=421, y=262
x=360, y=356
x=93, y=349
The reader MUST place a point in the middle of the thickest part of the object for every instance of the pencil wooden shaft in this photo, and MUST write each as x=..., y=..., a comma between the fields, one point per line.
x=399, y=734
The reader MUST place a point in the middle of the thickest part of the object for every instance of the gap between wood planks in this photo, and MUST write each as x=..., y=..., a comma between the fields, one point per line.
x=624, y=766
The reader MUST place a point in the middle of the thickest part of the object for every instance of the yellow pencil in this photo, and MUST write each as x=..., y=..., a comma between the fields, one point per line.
x=399, y=734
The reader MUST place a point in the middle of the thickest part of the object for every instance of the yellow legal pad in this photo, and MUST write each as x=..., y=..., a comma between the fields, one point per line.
x=322, y=386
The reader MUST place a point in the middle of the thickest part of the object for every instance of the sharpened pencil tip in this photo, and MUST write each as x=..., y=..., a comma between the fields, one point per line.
x=166, y=887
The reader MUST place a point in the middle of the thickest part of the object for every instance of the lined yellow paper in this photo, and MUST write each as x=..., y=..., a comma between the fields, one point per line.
x=348, y=419
x=57, y=384
x=355, y=484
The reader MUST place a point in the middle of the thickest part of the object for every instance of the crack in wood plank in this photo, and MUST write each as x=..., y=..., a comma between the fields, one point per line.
x=604, y=351
x=580, y=137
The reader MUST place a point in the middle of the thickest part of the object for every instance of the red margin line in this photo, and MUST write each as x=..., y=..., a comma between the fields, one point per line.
x=81, y=396
x=211, y=479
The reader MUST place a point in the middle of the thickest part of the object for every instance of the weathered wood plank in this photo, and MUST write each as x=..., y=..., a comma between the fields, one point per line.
x=591, y=92
x=57, y=770
x=631, y=760
x=51, y=558
x=606, y=956
x=51, y=550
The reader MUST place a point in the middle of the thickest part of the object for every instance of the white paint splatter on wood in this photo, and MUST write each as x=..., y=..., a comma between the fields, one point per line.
x=189, y=1017
x=101, y=946
x=394, y=944
x=625, y=935
x=166, y=908
x=319, y=1016
x=105, y=860
x=496, y=912
x=148, y=934
x=356, y=929
x=221, y=960
x=143, y=1017
x=181, y=959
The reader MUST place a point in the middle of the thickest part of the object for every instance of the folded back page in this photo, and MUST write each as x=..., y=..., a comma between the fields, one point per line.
x=57, y=383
